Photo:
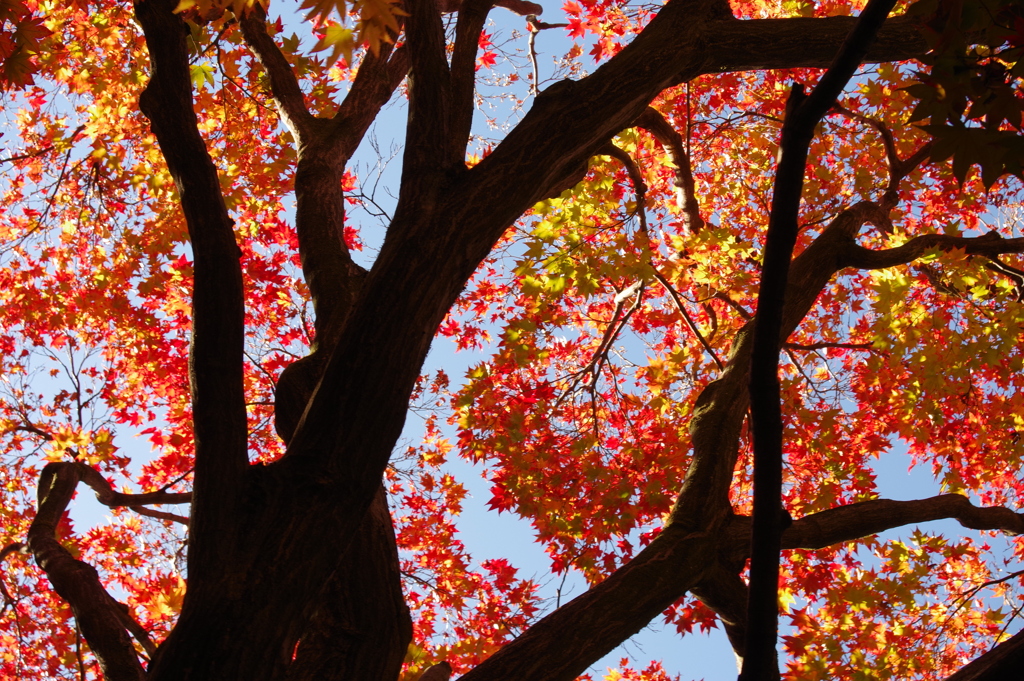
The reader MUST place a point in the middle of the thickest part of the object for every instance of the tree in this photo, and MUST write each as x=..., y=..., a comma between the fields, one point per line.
x=613, y=411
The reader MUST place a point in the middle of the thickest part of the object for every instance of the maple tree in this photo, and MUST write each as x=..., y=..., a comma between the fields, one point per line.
x=180, y=265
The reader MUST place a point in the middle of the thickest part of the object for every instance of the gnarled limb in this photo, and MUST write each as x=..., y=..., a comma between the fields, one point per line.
x=106, y=495
x=100, y=617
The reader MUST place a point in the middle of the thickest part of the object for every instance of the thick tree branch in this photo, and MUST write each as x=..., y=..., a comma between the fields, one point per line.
x=98, y=614
x=756, y=44
x=863, y=519
x=990, y=244
x=866, y=518
x=218, y=399
x=562, y=645
x=428, y=147
x=802, y=116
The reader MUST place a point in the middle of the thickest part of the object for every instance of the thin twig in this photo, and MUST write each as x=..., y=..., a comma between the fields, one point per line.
x=677, y=299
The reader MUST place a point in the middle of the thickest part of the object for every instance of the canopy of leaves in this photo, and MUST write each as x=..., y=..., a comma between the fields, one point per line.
x=604, y=325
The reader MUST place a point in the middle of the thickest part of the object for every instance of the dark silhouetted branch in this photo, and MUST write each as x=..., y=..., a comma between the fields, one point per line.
x=100, y=617
x=990, y=244
x=803, y=113
x=216, y=360
x=472, y=15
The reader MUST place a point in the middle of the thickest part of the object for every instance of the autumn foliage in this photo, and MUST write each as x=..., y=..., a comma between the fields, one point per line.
x=598, y=254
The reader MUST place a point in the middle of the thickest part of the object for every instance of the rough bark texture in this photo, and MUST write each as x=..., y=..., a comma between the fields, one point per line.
x=292, y=568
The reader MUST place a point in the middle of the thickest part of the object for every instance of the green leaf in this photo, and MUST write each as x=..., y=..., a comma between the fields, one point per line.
x=201, y=74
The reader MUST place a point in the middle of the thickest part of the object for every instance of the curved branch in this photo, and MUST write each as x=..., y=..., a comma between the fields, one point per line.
x=866, y=518
x=863, y=519
x=16, y=547
x=635, y=177
x=898, y=168
x=100, y=617
x=333, y=278
x=160, y=515
x=107, y=496
x=991, y=244
x=653, y=122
